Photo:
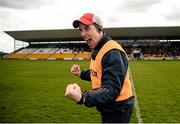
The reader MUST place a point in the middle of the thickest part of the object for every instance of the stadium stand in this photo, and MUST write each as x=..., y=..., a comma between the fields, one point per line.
x=138, y=42
x=55, y=51
x=147, y=49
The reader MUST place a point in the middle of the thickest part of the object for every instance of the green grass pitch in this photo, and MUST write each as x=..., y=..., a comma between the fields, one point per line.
x=33, y=91
x=157, y=86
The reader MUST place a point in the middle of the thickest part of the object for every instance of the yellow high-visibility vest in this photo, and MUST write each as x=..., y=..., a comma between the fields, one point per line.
x=96, y=70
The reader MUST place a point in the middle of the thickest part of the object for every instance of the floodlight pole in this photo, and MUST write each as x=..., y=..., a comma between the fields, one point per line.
x=14, y=44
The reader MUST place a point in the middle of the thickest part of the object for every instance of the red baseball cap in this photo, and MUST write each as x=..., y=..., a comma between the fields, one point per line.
x=87, y=19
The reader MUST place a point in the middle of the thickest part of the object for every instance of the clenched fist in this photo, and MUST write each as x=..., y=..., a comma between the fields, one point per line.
x=75, y=70
x=73, y=91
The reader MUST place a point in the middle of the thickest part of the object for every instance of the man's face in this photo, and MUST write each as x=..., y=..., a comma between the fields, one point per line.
x=89, y=34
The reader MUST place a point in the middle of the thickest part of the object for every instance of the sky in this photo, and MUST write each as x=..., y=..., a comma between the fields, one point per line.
x=59, y=14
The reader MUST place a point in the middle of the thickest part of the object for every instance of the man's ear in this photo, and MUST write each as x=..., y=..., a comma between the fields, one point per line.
x=98, y=28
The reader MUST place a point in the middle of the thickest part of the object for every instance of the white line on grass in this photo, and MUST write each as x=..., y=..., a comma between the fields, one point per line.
x=137, y=108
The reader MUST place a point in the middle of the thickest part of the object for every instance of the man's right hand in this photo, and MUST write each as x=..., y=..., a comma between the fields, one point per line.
x=75, y=70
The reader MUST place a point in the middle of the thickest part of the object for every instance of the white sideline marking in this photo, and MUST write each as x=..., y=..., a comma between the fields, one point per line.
x=136, y=103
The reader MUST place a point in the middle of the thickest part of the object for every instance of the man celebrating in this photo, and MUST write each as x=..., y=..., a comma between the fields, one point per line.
x=111, y=90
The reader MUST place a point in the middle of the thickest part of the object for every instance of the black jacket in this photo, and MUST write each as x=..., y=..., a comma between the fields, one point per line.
x=114, y=68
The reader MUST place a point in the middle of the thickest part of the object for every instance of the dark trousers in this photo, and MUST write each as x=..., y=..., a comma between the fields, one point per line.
x=121, y=116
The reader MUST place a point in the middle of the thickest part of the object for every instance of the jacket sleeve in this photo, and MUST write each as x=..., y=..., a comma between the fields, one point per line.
x=85, y=75
x=114, y=68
